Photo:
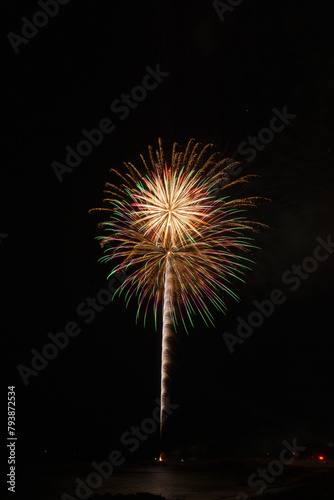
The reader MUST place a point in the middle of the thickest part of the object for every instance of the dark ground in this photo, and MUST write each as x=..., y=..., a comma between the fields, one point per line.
x=320, y=487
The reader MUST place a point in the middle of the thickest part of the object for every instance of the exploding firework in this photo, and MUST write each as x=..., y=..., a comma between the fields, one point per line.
x=176, y=238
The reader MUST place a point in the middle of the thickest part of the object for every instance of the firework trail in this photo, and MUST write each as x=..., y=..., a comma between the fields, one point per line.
x=176, y=238
x=167, y=333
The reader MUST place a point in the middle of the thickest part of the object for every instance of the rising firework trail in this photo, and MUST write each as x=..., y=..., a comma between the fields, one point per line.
x=177, y=238
x=167, y=334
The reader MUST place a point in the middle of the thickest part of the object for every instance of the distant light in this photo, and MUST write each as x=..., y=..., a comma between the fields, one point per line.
x=182, y=460
x=321, y=458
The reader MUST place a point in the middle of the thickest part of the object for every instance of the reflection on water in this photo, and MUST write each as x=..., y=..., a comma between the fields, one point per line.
x=172, y=482
x=177, y=482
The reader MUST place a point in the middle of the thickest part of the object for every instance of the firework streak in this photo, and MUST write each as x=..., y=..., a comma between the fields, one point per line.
x=176, y=237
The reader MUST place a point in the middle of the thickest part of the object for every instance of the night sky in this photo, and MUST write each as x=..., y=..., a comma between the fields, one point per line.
x=223, y=80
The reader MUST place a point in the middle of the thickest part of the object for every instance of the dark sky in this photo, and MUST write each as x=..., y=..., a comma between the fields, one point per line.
x=225, y=78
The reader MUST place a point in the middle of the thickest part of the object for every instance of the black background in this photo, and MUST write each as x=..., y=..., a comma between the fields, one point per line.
x=225, y=78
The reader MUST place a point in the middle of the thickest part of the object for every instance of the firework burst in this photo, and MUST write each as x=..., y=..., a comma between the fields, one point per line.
x=177, y=238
